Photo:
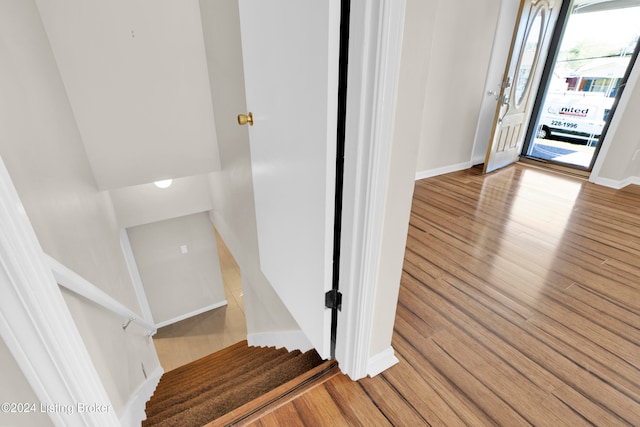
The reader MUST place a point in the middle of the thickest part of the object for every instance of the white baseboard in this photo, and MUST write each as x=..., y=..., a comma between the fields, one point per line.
x=193, y=313
x=606, y=182
x=133, y=413
x=441, y=171
x=611, y=183
x=291, y=340
x=381, y=362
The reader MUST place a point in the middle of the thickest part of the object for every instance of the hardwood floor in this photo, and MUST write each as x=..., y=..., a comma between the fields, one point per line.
x=519, y=305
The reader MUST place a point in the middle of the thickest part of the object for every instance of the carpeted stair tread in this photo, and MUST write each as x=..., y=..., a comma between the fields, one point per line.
x=170, y=405
x=196, y=397
x=177, y=388
x=223, y=356
x=208, y=388
x=203, y=374
x=197, y=393
x=216, y=405
x=234, y=398
x=231, y=353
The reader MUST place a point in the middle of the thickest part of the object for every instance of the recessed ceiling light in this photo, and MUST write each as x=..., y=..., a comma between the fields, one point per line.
x=165, y=183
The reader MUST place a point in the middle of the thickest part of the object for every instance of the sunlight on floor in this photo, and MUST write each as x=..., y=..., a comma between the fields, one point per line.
x=531, y=203
x=563, y=152
x=540, y=213
x=534, y=211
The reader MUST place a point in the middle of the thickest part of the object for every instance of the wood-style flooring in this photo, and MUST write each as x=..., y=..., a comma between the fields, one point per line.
x=519, y=305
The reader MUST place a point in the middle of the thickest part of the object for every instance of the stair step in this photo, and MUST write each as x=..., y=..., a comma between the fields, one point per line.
x=226, y=355
x=196, y=393
x=279, y=396
x=207, y=377
x=215, y=397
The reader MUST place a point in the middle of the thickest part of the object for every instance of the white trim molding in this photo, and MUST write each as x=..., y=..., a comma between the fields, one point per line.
x=191, y=314
x=381, y=362
x=375, y=44
x=612, y=183
x=442, y=170
x=291, y=340
x=37, y=327
x=134, y=411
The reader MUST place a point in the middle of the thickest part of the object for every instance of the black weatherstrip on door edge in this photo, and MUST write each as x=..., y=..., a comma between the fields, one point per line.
x=345, y=9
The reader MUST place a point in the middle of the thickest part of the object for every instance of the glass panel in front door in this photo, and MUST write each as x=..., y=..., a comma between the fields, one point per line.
x=528, y=57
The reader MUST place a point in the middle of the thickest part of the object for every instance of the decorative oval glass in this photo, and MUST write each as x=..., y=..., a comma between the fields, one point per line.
x=529, y=56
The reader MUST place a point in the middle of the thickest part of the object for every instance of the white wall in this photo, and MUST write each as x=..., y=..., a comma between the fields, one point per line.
x=146, y=203
x=232, y=188
x=178, y=284
x=136, y=77
x=15, y=389
x=75, y=223
x=459, y=53
x=119, y=357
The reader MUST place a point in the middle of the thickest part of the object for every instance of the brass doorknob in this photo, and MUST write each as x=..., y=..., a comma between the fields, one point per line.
x=244, y=119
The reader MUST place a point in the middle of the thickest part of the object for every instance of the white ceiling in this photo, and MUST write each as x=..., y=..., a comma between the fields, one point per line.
x=136, y=76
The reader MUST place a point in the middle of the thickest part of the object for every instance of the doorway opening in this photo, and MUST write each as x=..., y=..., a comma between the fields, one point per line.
x=589, y=63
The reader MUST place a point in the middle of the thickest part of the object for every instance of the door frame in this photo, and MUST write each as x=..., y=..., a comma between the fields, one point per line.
x=375, y=44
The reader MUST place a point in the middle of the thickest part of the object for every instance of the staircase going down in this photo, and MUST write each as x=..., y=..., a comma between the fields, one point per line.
x=208, y=388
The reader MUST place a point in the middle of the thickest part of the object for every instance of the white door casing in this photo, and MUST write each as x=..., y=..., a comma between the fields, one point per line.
x=521, y=80
x=290, y=55
x=375, y=46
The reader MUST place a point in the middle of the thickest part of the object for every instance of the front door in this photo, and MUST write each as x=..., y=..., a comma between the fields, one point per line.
x=521, y=80
x=291, y=52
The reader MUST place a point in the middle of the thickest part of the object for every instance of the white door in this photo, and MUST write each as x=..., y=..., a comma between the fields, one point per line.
x=290, y=52
x=521, y=80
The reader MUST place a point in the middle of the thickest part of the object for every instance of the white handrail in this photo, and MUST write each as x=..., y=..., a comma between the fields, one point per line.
x=81, y=286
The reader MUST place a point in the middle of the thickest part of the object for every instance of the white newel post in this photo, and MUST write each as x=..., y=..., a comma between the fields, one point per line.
x=37, y=326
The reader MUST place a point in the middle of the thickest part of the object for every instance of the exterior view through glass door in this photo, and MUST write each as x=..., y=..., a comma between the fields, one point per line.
x=593, y=58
